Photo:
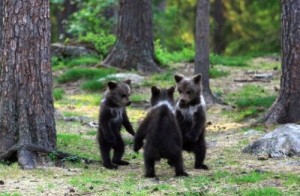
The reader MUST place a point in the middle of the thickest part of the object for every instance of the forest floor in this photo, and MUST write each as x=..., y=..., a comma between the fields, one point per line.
x=231, y=171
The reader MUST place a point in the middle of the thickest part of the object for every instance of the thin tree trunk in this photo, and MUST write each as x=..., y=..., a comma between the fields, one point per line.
x=202, y=49
x=218, y=36
x=134, y=48
x=27, y=113
x=286, y=107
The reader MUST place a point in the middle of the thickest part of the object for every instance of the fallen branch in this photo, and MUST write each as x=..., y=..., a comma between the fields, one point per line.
x=251, y=80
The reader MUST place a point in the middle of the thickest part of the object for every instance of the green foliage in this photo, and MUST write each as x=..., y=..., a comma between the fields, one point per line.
x=237, y=61
x=92, y=17
x=166, y=57
x=102, y=42
x=83, y=73
x=252, y=27
x=58, y=93
x=267, y=191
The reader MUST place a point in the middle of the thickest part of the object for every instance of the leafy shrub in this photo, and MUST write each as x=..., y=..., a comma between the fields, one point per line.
x=102, y=42
x=165, y=57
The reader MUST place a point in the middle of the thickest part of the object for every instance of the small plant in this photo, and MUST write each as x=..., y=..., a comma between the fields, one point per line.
x=58, y=93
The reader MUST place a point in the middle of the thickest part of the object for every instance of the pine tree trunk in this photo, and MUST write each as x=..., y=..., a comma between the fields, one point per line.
x=27, y=113
x=286, y=107
x=134, y=48
x=202, y=49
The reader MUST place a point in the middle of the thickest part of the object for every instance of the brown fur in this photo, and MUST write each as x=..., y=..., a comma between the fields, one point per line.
x=112, y=116
x=191, y=116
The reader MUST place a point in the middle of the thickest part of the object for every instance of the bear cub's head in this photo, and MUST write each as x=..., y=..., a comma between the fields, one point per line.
x=118, y=93
x=189, y=89
x=162, y=95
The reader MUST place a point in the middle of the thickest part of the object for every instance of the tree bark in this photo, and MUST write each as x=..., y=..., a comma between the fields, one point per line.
x=1, y=27
x=134, y=48
x=27, y=112
x=218, y=36
x=286, y=107
x=202, y=49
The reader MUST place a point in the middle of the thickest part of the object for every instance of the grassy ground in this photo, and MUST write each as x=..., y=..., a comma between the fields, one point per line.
x=231, y=172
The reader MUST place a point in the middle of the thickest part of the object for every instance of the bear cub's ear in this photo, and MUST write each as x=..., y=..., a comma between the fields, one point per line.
x=171, y=90
x=112, y=85
x=197, y=78
x=127, y=82
x=178, y=78
x=155, y=90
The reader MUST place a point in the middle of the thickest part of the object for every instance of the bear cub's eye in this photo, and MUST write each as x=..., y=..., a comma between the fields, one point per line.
x=123, y=95
x=188, y=92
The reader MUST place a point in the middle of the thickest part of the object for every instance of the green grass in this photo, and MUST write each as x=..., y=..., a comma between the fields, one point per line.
x=78, y=145
x=252, y=177
x=84, y=73
x=164, y=80
x=58, y=93
x=73, y=62
x=250, y=101
x=267, y=191
x=216, y=73
x=237, y=61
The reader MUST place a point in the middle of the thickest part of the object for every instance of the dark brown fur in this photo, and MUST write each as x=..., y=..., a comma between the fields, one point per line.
x=163, y=137
x=112, y=116
x=191, y=117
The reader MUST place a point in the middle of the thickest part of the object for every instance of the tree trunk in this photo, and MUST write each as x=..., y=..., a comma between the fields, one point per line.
x=27, y=113
x=134, y=48
x=1, y=27
x=286, y=107
x=202, y=49
x=218, y=36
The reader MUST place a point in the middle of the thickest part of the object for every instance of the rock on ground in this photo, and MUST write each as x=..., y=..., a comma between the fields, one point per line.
x=61, y=50
x=283, y=141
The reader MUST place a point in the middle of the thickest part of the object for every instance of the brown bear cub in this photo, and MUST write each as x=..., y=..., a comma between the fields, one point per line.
x=163, y=137
x=112, y=116
x=191, y=116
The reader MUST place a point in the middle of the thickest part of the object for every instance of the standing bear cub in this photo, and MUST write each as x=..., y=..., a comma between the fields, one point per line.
x=163, y=137
x=191, y=116
x=112, y=116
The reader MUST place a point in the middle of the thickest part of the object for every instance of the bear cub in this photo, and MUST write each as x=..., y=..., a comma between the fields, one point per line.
x=162, y=134
x=191, y=116
x=112, y=116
